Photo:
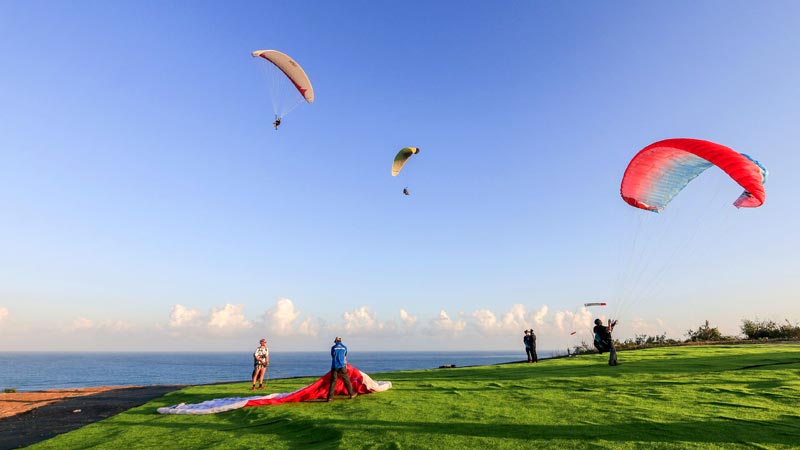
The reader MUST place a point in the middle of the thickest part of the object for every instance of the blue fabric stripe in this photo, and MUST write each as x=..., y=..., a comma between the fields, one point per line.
x=674, y=177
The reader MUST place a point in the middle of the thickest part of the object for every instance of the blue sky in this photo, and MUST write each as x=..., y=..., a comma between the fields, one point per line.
x=149, y=205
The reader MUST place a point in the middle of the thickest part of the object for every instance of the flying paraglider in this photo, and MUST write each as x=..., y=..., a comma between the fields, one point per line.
x=400, y=161
x=662, y=169
x=285, y=78
x=652, y=179
x=401, y=158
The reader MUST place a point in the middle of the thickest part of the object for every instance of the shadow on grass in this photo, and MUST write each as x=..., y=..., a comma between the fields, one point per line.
x=783, y=431
x=286, y=428
x=305, y=433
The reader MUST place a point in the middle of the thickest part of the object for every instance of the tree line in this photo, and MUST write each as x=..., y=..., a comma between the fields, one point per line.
x=752, y=330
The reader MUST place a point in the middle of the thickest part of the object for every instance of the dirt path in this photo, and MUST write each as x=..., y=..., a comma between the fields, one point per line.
x=18, y=402
x=30, y=417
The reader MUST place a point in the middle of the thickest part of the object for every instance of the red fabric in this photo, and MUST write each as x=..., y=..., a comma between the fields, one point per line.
x=318, y=389
x=660, y=154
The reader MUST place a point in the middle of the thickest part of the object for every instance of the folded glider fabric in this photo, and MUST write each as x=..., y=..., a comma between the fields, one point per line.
x=361, y=382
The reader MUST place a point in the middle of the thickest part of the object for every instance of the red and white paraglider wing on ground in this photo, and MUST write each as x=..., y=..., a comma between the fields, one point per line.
x=317, y=390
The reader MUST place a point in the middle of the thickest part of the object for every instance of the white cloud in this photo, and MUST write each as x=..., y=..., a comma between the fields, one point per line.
x=306, y=328
x=539, y=316
x=365, y=321
x=510, y=322
x=181, y=316
x=282, y=320
x=569, y=321
x=515, y=317
x=80, y=323
x=229, y=318
x=360, y=319
x=655, y=327
x=83, y=324
x=116, y=326
x=226, y=325
x=486, y=320
x=443, y=324
x=408, y=321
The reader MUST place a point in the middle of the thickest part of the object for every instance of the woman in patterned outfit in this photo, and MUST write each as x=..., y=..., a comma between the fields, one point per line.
x=260, y=364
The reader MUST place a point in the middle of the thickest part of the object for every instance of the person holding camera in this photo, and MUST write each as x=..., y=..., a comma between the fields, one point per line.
x=533, y=356
x=527, y=341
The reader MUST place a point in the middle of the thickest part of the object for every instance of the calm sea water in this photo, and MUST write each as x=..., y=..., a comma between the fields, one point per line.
x=37, y=371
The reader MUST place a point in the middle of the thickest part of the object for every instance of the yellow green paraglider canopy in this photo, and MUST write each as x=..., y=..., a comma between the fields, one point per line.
x=401, y=159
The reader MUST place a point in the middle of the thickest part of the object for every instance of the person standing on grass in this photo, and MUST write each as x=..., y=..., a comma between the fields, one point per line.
x=339, y=368
x=603, y=340
x=527, y=341
x=260, y=364
x=534, y=356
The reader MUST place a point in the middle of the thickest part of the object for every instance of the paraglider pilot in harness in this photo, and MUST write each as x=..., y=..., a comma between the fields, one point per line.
x=603, y=341
x=277, y=122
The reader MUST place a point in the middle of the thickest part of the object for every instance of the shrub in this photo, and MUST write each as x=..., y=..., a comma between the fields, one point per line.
x=705, y=333
x=768, y=329
x=790, y=331
x=644, y=340
x=584, y=348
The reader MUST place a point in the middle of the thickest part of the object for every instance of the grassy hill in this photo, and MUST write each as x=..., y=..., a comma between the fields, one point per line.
x=724, y=396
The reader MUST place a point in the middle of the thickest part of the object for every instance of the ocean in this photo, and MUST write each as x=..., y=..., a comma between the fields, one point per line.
x=38, y=371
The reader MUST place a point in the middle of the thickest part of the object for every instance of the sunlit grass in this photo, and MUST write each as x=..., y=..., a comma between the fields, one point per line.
x=715, y=397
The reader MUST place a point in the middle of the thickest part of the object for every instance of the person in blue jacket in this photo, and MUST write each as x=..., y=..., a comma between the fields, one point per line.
x=530, y=346
x=339, y=368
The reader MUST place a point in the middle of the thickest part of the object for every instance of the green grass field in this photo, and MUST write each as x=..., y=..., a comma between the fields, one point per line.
x=722, y=396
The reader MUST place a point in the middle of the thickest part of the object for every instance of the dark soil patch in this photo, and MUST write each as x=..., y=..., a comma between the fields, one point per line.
x=60, y=417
